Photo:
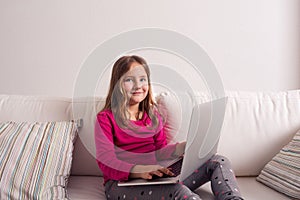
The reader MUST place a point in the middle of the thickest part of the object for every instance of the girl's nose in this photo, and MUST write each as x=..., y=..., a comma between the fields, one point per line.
x=137, y=84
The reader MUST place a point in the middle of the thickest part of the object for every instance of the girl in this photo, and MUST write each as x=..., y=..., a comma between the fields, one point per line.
x=129, y=140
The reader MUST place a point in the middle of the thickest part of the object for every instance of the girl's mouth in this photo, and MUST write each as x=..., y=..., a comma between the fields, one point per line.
x=136, y=93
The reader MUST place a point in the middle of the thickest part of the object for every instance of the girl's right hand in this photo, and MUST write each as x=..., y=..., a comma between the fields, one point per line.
x=148, y=171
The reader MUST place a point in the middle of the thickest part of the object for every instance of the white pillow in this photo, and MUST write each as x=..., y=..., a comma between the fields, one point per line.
x=169, y=107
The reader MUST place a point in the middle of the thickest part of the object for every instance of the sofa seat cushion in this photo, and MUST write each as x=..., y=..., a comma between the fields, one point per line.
x=90, y=187
x=253, y=190
x=86, y=187
x=250, y=189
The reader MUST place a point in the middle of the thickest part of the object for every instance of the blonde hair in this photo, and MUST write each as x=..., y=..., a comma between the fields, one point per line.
x=117, y=101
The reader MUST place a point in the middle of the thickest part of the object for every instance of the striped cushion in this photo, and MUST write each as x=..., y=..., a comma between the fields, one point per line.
x=282, y=173
x=35, y=159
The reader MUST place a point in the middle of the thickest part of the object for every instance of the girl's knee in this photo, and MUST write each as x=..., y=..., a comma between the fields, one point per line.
x=220, y=159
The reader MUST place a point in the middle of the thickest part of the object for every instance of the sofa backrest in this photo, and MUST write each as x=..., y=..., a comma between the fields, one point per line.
x=256, y=125
x=84, y=162
x=21, y=108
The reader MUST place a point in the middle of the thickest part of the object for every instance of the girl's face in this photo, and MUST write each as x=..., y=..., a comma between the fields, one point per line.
x=135, y=83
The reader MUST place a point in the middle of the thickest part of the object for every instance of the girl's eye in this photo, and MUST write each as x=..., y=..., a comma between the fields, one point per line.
x=143, y=79
x=128, y=80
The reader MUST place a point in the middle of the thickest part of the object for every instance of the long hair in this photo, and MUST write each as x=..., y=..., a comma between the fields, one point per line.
x=117, y=100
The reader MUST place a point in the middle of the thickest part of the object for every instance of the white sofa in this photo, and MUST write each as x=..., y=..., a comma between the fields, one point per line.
x=256, y=126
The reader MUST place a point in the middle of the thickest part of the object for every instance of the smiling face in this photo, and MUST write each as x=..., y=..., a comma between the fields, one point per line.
x=130, y=92
x=135, y=83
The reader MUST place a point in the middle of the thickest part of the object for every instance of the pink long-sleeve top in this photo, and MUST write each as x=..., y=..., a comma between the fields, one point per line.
x=118, y=150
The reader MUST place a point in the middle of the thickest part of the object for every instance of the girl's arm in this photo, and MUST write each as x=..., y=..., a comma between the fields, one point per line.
x=111, y=166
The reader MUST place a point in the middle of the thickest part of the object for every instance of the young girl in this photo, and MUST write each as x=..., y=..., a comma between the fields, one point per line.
x=130, y=141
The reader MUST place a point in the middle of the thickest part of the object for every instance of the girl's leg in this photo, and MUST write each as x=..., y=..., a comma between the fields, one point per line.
x=218, y=171
x=159, y=192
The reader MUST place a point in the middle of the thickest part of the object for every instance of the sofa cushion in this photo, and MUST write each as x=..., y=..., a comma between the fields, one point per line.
x=35, y=159
x=91, y=188
x=86, y=187
x=170, y=109
x=21, y=108
x=256, y=126
x=250, y=190
x=282, y=173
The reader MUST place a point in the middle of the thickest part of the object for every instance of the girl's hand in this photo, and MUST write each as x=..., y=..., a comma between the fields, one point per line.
x=148, y=171
x=180, y=148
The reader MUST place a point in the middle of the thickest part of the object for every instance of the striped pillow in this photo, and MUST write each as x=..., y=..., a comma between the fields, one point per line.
x=35, y=159
x=282, y=173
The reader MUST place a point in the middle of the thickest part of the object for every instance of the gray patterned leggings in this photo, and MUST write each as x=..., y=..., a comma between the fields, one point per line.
x=217, y=170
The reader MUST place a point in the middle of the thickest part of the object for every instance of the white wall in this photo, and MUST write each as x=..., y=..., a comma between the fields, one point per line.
x=255, y=44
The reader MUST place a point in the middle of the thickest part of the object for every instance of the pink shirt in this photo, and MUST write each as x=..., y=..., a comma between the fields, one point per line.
x=118, y=150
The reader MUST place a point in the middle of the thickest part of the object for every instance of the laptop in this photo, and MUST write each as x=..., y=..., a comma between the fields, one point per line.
x=202, y=143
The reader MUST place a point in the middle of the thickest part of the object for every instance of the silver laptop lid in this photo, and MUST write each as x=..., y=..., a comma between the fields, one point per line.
x=203, y=135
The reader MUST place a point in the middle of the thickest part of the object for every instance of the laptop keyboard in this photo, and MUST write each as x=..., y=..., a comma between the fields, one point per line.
x=176, y=167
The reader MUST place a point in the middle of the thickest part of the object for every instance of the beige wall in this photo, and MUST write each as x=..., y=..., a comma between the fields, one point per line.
x=255, y=44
